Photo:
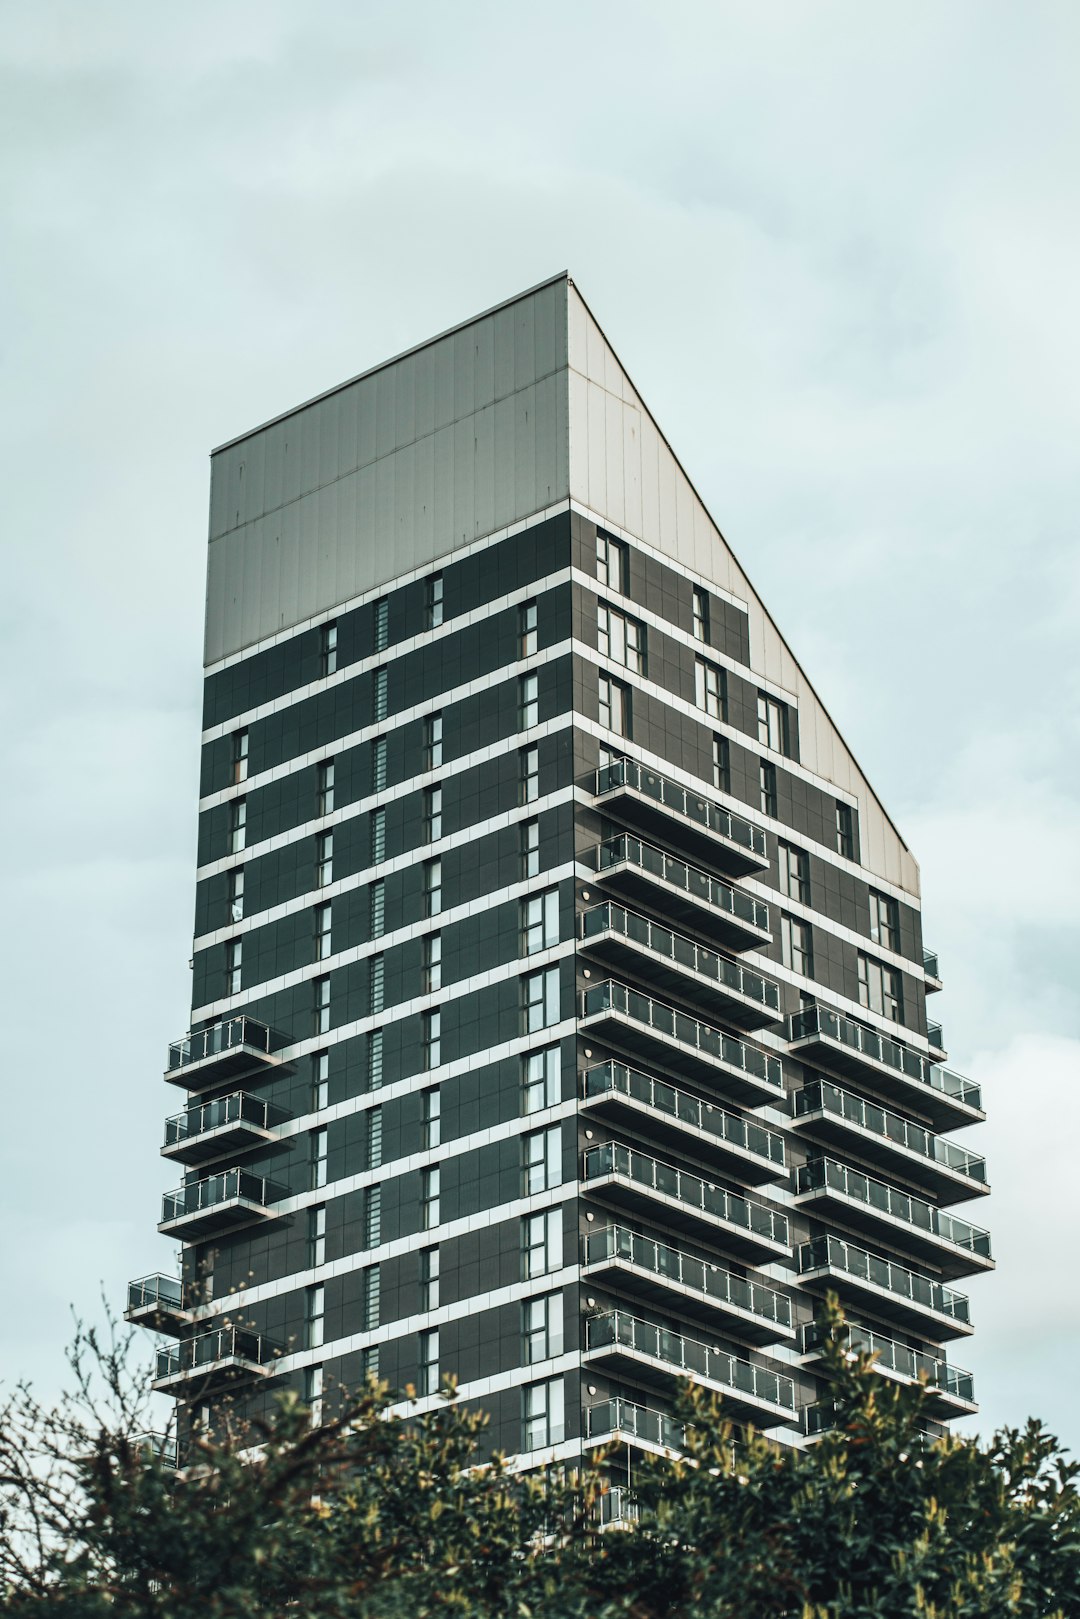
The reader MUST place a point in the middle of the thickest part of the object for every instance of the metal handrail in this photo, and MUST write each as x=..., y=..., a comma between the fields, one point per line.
x=700, y=1276
x=231, y=1033
x=613, y=1158
x=819, y=1174
x=836, y=1254
x=615, y=1077
x=821, y=1020
x=899, y=1358
x=232, y=1109
x=823, y=1096
x=212, y=1190
x=207, y=1349
x=626, y=772
x=689, y=1356
x=147, y=1291
x=612, y=996
x=626, y=848
x=610, y=917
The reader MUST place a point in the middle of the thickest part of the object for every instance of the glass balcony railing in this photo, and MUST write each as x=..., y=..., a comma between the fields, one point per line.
x=746, y=1135
x=935, y=1036
x=833, y=1253
x=617, y=1242
x=729, y=976
x=687, y=1357
x=826, y=1174
x=157, y=1292
x=200, y=1196
x=158, y=1447
x=930, y=964
x=697, y=885
x=701, y=1196
x=821, y=1419
x=618, y=1505
x=610, y=1418
x=906, y=1362
x=822, y=1096
x=668, y=1024
x=682, y=804
x=818, y=1022
x=230, y=1348
x=239, y=1108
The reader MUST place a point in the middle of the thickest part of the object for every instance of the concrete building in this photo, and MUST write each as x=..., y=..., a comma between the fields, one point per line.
x=559, y=1009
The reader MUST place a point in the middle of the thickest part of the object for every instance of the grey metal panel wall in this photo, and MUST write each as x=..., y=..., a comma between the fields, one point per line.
x=389, y=473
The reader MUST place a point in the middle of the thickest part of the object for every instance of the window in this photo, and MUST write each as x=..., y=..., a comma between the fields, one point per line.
x=614, y=706
x=376, y=984
x=540, y=999
x=239, y=757
x=377, y=908
x=324, y=859
x=845, y=831
x=380, y=689
x=375, y=1059
x=540, y=921
x=611, y=563
x=767, y=787
x=327, y=649
x=432, y=887
x=435, y=601
x=377, y=826
x=369, y=1363
x=528, y=701
x=541, y=1160
x=372, y=1285
x=429, y=1278
x=527, y=634
x=381, y=624
x=541, y=1079
x=324, y=794
x=530, y=848
x=542, y=1328
x=772, y=724
x=710, y=688
x=881, y=988
x=701, y=614
x=237, y=825
x=373, y=1217
x=374, y=1138
x=545, y=1422
x=323, y=934
x=378, y=764
x=316, y=1236
x=433, y=741
x=313, y=1389
x=794, y=872
x=314, y=1315
x=432, y=1111
x=432, y=962
x=529, y=762
x=322, y=1005
x=427, y=1356
x=234, y=961
x=620, y=638
x=236, y=894
x=429, y=1198
x=320, y=1080
x=541, y=1244
x=721, y=764
x=432, y=814
x=431, y=1034
x=317, y=1150
x=796, y=946
x=884, y=921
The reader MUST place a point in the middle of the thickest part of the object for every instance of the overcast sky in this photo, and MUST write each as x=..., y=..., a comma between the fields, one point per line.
x=837, y=247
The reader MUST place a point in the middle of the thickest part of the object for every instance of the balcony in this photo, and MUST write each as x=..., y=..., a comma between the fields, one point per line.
x=918, y=1303
x=632, y=1180
x=239, y=1045
x=877, y=1209
x=651, y=803
x=951, y=1390
x=630, y=1347
x=215, y=1359
x=947, y=1099
x=826, y=1112
x=935, y=1039
x=636, y=1100
x=821, y=1419
x=621, y=1422
x=220, y=1203
x=932, y=971
x=157, y=1447
x=685, y=893
x=646, y=1028
x=157, y=1302
x=631, y=943
x=665, y=1276
x=618, y=1507
x=219, y=1129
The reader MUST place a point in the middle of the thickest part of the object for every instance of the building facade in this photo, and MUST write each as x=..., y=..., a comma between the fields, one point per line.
x=559, y=1008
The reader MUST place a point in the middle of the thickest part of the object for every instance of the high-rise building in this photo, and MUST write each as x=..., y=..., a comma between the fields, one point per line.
x=559, y=1013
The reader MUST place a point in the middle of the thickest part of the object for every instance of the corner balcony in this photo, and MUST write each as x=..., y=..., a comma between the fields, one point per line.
x=632, y=1180
x=675, y=964
x=917, y=1303
x=951, y=1390
x=675, y=1118
x=826, y=1112
x=841, y=1044
x=157, y=1447
x=932, y=970
x=821, y=1419
x=220, y=1203
x=630, y=1347
x=643, y=1027
x=685, y=893
x=884, y=1212
x=621, y=1422
x=237, y=1046
x=664, y=1276
x=157, y=1302
x=651, y=803
x=618, y=1507
x=213, y=1360
x=219, y=1129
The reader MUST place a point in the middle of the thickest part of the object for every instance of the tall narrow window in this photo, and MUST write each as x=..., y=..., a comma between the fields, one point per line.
x=369, y=1363
x=429, y=1278
x=380, y=694
x=530, y=848
x=317, y=1157
x=323, y=933
x=433, y=741
x=432, y=1106
x=374, y=1138
x=328, y=649
x=377, y=826
x=324, y=859
x=529, y=766
x=435, y=601
x=620, y=638
x=527, y=634
x=721, y=764
x=881, y=988
x=432, y=962
x=313, y=1393
x=794, y=867
x=884, y=920
x=701, y=614
x=381, y=624
x=314, y=1315
x=845, y=831
x=376, y=983
x=234, y=962
x=528, y=701
x=372, y=1216
x=378, y=764
x=541, y=1080
x=614, y=705
x=431, y=1037
x=541, y=1160
x=322, y=1005
x=767, y=787
x=239, y=756
x=375, y=1059
x=540, y=921
x=540, y=999
x=324, y=795
x=432, y=887
x=372, y=1285
x=545, y=1419
x=237, y=825
x=611, y=563
x=772, y=723
x=541, y=1244
x=542, y=1328
x=316, y=1236
x=796, y=946
x=236, y=894
x=427, y=1356
x=710, y=688
x=430, y=1182
x=432, y=814
x=320, y=1080
x=377, y=911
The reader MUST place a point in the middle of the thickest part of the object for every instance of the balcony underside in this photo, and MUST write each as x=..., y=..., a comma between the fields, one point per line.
x=667, y=1129
x=943, y=1112
x=621, y=1192
x=236, y=1062
x=159, y=1317
x=667, y=1292
x=218, y=1374
x=676, y=904
x=678, y=832
x=948, y=1258
x=946, y=1185
x=622, y=1360
x=230, y=1215
x=657, y=975
x=880, y=1302
x=225, y=1141
x=626, y=1034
